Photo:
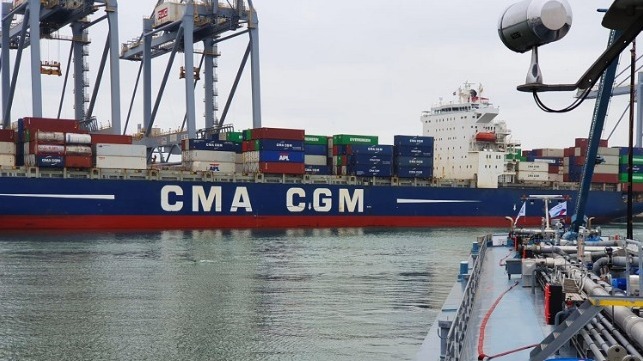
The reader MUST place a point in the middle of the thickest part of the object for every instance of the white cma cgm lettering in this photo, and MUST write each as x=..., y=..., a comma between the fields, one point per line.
x=322, y=200
x=202, y=200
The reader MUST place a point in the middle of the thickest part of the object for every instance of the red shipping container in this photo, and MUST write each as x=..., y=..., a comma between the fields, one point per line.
x=636, y=187
x=581, y=142
x=554, y=169
x=278, y=133
x=602, y=143
x=248, y=146
x=78, y=161
x=569, y=152
x=7, y=135
x=111, y=139
x=605, y=178
x=51, y=125
x=281, y=168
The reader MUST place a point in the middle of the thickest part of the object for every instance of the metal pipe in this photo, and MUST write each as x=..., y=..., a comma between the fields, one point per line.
x=600, y=328
x=630, y=323
x=596, y=352
x=617, y=261
x=602, y=343
x=609, y=327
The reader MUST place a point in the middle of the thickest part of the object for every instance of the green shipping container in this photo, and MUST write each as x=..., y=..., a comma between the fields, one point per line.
x=348, y=139
x=247, y=134
x=636, y=178
x=637, y=159
x=316, y=139
x=235, y=137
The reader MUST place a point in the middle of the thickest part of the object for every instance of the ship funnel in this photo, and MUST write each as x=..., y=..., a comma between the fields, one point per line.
x=531, y=23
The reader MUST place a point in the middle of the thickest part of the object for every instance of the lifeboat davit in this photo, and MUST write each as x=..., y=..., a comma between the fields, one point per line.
x=486, y=137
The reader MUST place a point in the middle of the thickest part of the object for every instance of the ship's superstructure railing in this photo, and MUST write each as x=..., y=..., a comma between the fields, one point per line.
x=458, y=332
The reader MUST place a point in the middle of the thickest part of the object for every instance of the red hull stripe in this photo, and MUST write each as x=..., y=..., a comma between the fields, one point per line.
x=229, y=222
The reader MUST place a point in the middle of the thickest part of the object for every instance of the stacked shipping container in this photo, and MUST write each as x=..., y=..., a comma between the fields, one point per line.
x=7, y=148
x=316, y=155
x=210, y=155
x=273, y=151
x=413, y=156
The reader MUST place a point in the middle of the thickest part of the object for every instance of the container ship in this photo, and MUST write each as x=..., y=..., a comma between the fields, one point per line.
x=463, y=170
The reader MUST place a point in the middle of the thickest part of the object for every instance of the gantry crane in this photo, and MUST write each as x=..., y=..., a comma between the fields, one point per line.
x=176, y=26
x=26, y=22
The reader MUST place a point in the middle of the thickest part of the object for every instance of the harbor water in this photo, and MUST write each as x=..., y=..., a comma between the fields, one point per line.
x=331, y=294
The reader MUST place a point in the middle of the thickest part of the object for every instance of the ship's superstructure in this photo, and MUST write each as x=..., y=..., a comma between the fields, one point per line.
x=470, y=144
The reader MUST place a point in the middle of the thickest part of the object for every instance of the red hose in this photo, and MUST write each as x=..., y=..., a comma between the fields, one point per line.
x=483, y=325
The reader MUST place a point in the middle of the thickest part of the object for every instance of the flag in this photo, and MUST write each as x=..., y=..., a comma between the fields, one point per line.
x=521, y=213
x=559, y=210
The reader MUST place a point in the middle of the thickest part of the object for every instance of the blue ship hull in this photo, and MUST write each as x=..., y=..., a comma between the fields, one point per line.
x=68, y=203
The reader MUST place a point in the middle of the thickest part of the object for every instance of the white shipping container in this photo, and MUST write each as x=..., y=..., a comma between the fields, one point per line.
x=238, y=168
x=75, y=138
x=45, y=149
x=215, y=167
x=533, y=176
x=78, y=150
x=53, y=137
x=555, y=177
x=610, y=159
x=604, y=151
x=606, y=169
x=249, y=167
x=533, y=166
x=251, y=157
x=8, y=148
x=121, y=150
x=168, y=13
x=117, y=162
x=7, y=160
x=550, y=152
x=208, y=156
x=238, y=158
x=315, y=159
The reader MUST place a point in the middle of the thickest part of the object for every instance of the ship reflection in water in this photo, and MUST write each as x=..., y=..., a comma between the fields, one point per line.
x=302, y=294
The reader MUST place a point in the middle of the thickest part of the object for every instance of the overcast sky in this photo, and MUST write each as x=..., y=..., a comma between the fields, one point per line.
x=371, y=67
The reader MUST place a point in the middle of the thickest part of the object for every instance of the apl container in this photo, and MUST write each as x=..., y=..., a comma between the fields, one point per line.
x=217, y=167
x=282, y=157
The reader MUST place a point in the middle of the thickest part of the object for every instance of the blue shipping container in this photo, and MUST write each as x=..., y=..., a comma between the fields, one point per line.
x=636, y=168
x=283, y=157
x=410, y=151
x=50, y=161
x=207, y=144
x=370, y=149
x=414, y=161
x=413, y=140
x=370, y=171
x=318, y=169
x=414, y=172
x=367, y=159
x=280, y=145
x=621, y=150
x=315, y=149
